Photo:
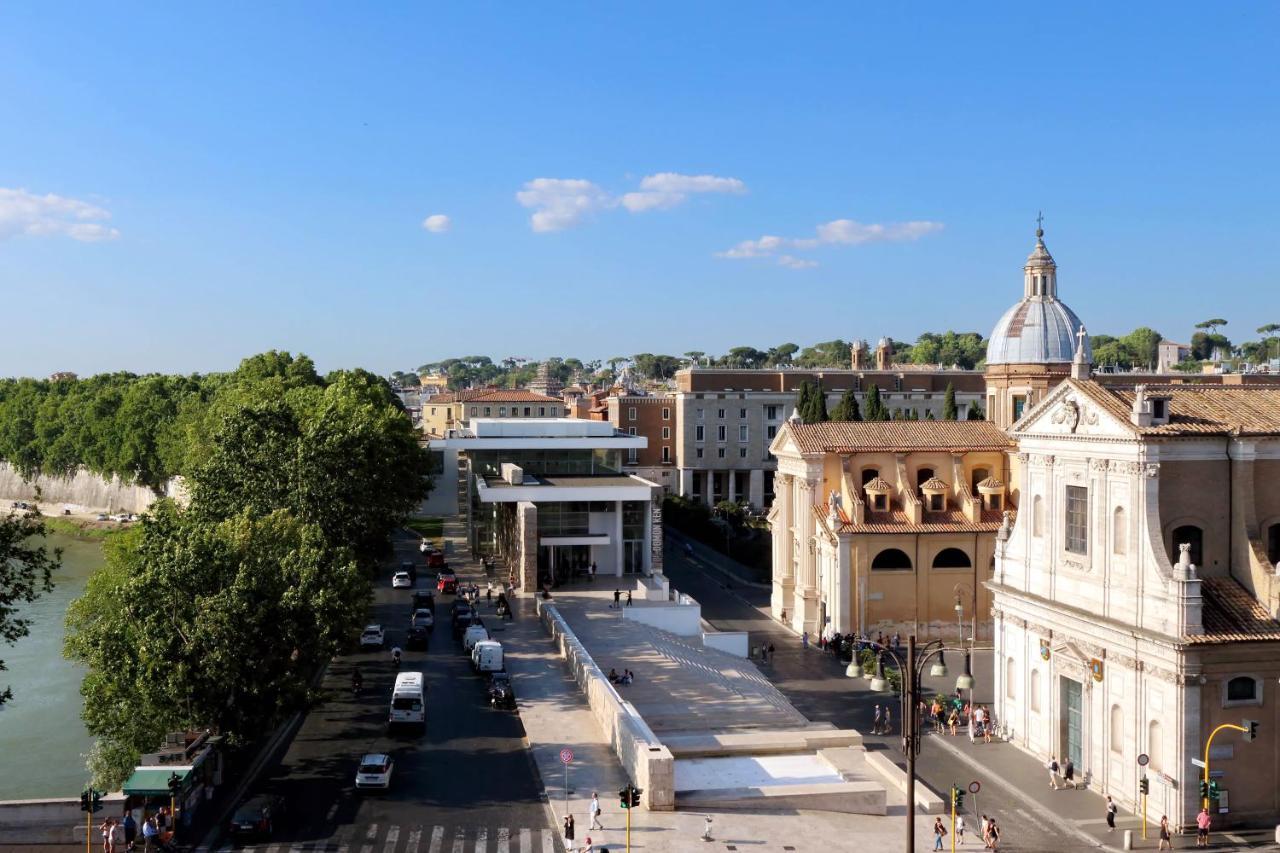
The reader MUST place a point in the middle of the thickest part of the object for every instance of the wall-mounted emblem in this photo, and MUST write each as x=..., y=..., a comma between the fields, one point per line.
x=1095, y=667
x=1044, y=650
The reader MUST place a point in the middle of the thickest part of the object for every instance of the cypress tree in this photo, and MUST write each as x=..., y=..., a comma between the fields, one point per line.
x=949, y=411
x=847, y=409
x=876, y=410
x=975, y=413
x=803, y=397
x=820, y=405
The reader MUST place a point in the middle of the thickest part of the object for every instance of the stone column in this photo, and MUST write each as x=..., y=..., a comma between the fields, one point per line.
x=731, y=484
x=841, y=618
x=526, y=564
x=755, y=488
x=783, y=566
x=619, y=548
x=806, y=617
x=708, y=492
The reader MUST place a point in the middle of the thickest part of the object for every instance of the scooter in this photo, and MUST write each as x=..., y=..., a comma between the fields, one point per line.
x=395, y=658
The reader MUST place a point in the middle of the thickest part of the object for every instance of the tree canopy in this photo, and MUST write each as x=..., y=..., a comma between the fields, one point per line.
x=26, y=571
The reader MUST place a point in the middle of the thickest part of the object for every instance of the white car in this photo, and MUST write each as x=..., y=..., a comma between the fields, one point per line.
x=374, y=771
x=373, y=635
x=424, y=617
x=401, y=580
x=474, y=634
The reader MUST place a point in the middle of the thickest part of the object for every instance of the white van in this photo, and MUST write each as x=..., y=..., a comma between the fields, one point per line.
x=487, y=656
x=473, y=635
x=408, y=701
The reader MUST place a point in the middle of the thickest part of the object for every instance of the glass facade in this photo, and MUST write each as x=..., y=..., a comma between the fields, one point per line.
x=488, y=463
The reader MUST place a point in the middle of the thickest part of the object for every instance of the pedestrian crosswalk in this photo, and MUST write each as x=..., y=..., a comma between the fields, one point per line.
x=379, y=838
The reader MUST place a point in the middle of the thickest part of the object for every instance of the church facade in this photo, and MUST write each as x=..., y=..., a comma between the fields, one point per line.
x=1134, y=598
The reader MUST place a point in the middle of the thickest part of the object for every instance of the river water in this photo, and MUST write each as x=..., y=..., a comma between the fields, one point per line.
x=42, y=739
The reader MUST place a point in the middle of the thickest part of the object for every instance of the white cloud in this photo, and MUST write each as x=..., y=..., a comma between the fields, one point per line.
x=33, y=215
x=838, y=232
x=560, y=203
x=437, y=223
x=668, y=189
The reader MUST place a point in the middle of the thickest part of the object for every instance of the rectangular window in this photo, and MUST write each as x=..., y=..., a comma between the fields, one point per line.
x=701, y=414
x=666, y=454
x=527, y=411
x=742, y=453
x=631, y=413
x=720, y=414
x=631, y=455
x=742, y=413
x=771, y=431
x=666, y=432
x=488, y=410
x=502, y=411
x=666, y=414
x=771, y=413
x=1077, y=519
x=542, y=411
x=1019, y=403
x=721, y=432
x=720, y=452
x=555, y=411
x=473, y=411
x=742, y=432
x=699, y=433
x=631, y=430
x=699, y=452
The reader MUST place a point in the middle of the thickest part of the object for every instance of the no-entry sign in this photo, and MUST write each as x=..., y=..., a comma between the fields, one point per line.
x=975, y=787
x=566, y=755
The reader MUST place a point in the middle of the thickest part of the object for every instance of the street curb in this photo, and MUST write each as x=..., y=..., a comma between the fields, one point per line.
x=1018, y=794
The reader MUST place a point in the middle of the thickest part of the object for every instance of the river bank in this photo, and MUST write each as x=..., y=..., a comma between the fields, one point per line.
x=42, y=721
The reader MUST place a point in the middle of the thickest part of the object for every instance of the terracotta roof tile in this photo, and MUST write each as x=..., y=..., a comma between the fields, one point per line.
x=880, y=436
x=897, y=521
x=514, y=395
x=933, y=484
x=991, y=483
x=1198, y=409
x=877, y=484
x=1231, y=614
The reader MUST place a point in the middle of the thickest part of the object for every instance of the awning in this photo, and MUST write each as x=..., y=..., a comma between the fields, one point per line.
x=154, y=781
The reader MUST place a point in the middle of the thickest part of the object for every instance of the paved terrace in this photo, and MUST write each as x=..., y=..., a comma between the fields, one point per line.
x=680, y=685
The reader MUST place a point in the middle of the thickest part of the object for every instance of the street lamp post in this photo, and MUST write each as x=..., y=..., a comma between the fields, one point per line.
x=910, y=672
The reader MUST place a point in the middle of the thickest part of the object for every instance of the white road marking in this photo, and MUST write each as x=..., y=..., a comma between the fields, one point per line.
x=411, y=842
x=437, y=836
x=372, y=833
x=526, y=841
x=393, y=838
x=504, y=840
x=482, y=840
x=548, y=844
x=458, y=838
x=344, y=838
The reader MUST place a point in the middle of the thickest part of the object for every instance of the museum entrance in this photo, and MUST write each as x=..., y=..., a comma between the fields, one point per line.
x=1071, y=720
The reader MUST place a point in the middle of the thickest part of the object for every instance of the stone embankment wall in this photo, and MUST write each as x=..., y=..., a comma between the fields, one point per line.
x=84, y=491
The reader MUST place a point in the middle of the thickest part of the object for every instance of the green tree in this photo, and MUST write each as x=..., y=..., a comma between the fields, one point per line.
x=876, y=410
x=949, y=410
x=1212, y=325
x=975, y=413
x=818, y=405
x=26, y=571
x=847, y=409
x=1144, y=345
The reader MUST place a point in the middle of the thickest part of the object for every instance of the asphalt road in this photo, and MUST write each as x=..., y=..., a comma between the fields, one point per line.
x=815, y=684
x=467, y=781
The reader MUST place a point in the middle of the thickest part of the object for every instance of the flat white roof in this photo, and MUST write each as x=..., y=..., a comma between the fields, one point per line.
x=540, y=428
x=538, y=434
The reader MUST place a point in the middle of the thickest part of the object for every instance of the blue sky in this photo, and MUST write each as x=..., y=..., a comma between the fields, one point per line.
x=180, y=188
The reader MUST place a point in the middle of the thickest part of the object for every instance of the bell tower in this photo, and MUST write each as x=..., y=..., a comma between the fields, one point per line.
x=1040, y=275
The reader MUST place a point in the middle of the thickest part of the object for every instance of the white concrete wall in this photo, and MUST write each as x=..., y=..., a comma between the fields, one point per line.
x=733, y=642
x=84, y=490
x=683, y=620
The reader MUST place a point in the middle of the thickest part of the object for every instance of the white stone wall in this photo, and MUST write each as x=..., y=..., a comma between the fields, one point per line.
x=84, y=490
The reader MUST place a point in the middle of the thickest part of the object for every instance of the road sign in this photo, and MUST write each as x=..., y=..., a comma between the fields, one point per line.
x=1197, y=762
x=975, y=787
x=566, y=755
x=1143, y=760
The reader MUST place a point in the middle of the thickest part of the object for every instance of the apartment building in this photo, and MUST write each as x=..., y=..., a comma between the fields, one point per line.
x=653, y=417
x=455, y=409
x=726, y=419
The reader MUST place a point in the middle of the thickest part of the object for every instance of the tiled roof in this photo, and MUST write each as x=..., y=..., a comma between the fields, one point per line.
x=896, y=521
x=460, y=396
x=1232, y=614
x=933, y=484
x=1198, y=409
x=991, y=483
x=878, y=484
x=514, y=395
x=898, y=436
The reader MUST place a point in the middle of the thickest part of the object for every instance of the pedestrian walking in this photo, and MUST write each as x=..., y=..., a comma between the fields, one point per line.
x=130, y=830
x=995, y=835
x=888, y=721
x=764, y=654
x=591, y=571
x=960, y=829
x=804, y=640
x=108, y=829
x=1069, y=774
x=1111, y=814
x=897, y=642
x=568, y=831
x=1203, y=822
x=876, y=721
x=984, y=827
x=938, y=832
x=595, y=813
x=617, y=598
x=1165, y=842
x=628, y=598
x=149, y=833
x=771, y=650
x=1053, y=768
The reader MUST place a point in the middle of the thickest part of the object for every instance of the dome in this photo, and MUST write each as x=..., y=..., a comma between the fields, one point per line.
x=1038, y=329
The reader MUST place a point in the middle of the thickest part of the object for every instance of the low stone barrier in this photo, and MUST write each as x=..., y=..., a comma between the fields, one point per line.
x=51, y=821
x=647, y=762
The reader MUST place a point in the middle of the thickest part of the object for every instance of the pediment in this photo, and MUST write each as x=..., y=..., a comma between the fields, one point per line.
x=784, y=442
x=1072, y=410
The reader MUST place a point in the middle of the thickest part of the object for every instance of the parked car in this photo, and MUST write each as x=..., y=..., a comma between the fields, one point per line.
x=374, y=771
x=401, y=580
x=500, y=693
x=257, y=816
x=475, y=633
x=447, y=582
x=487, y=656
x=373, y=635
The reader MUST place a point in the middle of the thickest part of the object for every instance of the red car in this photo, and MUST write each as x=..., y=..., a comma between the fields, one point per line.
x=447, y=582
x=435, y=559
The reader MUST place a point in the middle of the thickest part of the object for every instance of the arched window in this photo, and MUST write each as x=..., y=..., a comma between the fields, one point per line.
x=891, y=558
x=1117, y=729
x=1037, y=516
x=1119, y=531
x=952, y=558
x=1242, y=688
x=923, y=475
x=1010, y=678
x=979, y=474
x=1035, y=690
x=1187, y=534
x=1155, y=746
x=869, y=474
x=1273, y=543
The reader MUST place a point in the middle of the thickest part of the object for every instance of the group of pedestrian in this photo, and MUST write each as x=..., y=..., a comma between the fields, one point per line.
x=1064, y=775
x=153, y=831
x=569, y=828
x=617, y=599
x=990, y=833
x=882, y=721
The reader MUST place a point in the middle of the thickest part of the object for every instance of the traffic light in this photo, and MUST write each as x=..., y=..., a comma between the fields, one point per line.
x=1204, y=790
x=95, y=800
x=957, y=797
x=1250, y=729
x=1214, y=791
x=624, y=797
x=84, y=802
x=1144, y=786
x=635, y=796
